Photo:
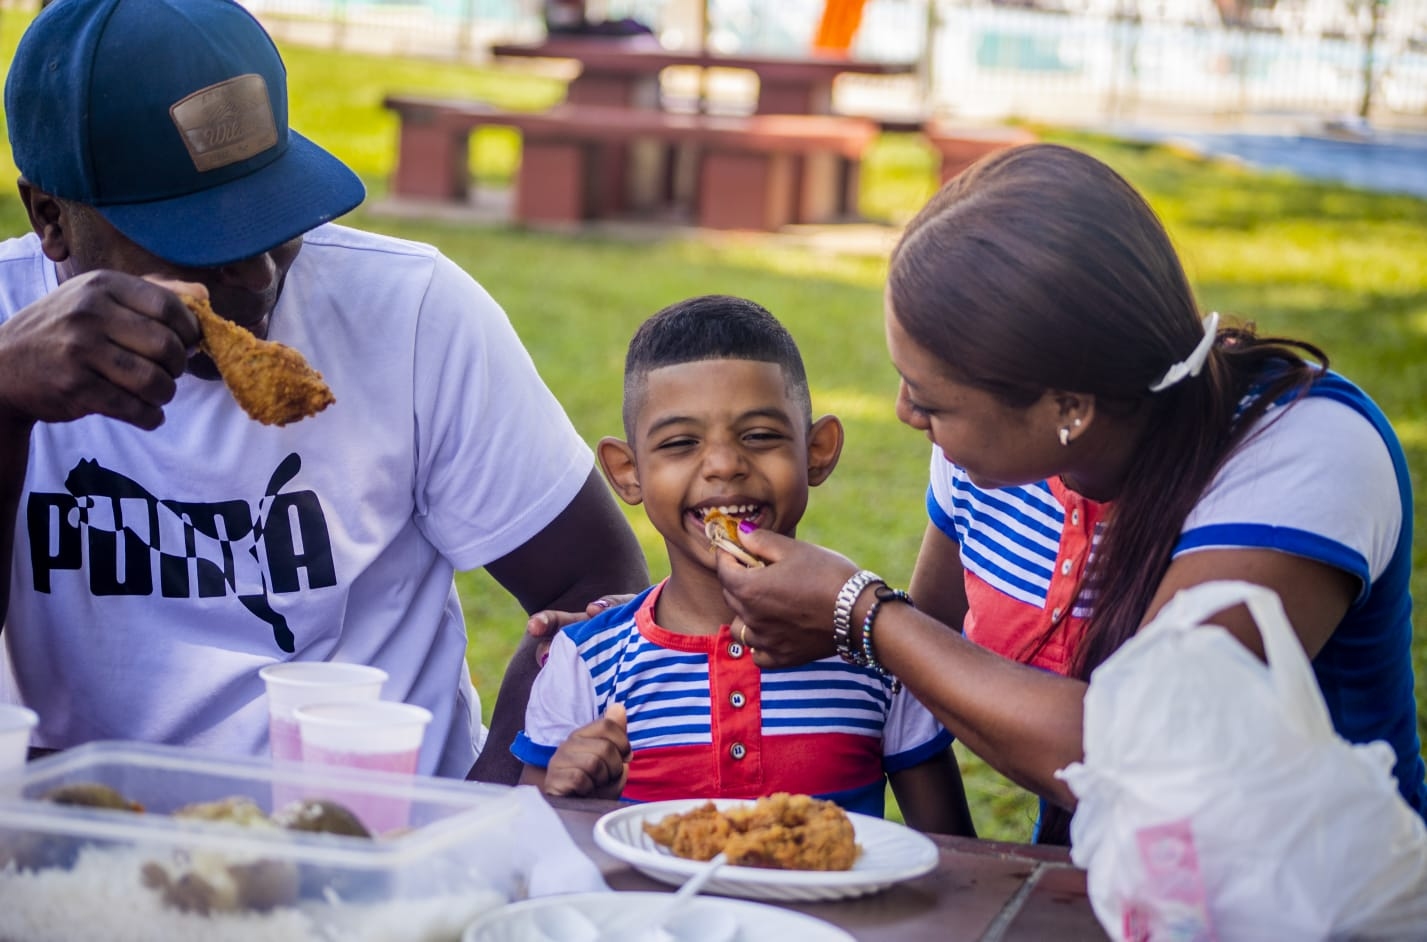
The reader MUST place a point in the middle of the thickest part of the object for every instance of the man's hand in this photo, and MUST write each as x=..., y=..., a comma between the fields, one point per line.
x=543, y=626
x=102, y=343
x=594, y=761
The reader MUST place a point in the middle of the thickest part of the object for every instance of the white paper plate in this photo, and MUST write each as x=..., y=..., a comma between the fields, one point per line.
x=891, y=853
x=701, y=918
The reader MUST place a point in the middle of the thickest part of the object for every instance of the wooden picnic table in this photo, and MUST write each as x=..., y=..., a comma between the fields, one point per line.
x=980, y=891
x=752, y=172
x=612, y=148
x=625, y=71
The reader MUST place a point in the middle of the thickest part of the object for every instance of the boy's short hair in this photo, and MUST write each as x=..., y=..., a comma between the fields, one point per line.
x=711, y=327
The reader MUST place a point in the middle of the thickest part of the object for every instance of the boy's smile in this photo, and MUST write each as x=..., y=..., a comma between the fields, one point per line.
x=752, y=514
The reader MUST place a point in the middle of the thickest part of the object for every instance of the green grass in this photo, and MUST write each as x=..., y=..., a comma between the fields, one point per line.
x=1345, y=269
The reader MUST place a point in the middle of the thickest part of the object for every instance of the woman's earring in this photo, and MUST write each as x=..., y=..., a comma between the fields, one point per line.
x=1065, y=435
x=1077, y=423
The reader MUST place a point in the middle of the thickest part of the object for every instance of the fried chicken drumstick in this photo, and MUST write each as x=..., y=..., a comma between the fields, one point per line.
x=271, y=381
x=722, y=531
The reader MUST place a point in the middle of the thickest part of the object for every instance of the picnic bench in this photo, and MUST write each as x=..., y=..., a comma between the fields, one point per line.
x=759, y=171
x=626, y=70
x=960, y=146
x=956, y=145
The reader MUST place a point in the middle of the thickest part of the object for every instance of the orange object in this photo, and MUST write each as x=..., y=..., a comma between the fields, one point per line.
x=838, y=26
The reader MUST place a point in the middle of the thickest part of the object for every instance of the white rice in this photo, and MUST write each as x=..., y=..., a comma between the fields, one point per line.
x=101, y=897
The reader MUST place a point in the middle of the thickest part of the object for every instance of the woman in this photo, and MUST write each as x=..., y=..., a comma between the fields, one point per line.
x=1050, y=348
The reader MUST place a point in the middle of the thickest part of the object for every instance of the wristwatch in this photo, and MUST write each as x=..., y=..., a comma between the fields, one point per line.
x=842, y=613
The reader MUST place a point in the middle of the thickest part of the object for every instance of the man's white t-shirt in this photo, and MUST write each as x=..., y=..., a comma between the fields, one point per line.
x=156, y=572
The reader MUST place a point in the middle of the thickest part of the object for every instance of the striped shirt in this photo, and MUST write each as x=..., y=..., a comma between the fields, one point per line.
x=1326, y=480
x=705, y=722
x=1024, y=550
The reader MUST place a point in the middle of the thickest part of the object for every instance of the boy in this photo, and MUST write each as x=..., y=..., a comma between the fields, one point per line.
x=658, y=698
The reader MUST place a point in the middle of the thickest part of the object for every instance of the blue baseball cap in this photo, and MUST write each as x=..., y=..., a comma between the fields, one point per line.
x=169, y=117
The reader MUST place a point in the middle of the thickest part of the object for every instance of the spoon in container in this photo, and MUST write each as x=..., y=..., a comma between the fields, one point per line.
x=647, y=927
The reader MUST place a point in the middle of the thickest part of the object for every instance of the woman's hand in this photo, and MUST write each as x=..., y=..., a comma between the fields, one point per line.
x=787, y=605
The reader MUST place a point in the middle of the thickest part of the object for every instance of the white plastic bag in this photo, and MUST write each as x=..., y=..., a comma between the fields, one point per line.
x=1216, y=803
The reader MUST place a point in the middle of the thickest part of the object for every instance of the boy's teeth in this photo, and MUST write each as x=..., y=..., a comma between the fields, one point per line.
x=738, y=510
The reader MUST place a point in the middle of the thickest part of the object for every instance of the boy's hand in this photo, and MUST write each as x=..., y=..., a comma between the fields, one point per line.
x=594, y=761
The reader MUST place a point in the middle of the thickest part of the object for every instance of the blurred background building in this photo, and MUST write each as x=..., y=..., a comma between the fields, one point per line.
x=1342, y=62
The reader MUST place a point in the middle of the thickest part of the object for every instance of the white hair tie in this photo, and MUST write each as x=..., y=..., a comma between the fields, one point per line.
x=1192, y=364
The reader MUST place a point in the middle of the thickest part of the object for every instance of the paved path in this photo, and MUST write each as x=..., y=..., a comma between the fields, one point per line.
x=1388, y=161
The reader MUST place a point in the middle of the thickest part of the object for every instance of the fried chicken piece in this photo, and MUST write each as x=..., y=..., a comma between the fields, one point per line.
x=694, y=835
x=722, y=531
x=271, y=381
x=792, y=832
x=781, y=831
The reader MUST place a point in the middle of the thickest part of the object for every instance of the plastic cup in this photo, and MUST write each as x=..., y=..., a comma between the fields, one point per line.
x=16, y=723
x=297, y=683
x=376, y=735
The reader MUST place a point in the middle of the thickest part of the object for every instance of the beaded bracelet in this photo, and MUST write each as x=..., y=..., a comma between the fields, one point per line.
x=883, y=593
x=842, y=613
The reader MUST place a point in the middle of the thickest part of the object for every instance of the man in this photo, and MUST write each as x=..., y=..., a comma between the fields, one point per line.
x=161, y=546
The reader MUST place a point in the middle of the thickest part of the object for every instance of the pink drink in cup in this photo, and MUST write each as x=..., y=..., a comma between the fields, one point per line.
x=292, y=684
x=402, y=762
x=284, y=738
x=377, y=735
x=297, y=683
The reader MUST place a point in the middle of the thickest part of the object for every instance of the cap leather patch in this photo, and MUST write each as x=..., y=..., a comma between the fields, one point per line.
x=225, y=123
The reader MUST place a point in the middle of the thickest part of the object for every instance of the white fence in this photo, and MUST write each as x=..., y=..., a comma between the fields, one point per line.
x=1081, y=61
x=1097, y=64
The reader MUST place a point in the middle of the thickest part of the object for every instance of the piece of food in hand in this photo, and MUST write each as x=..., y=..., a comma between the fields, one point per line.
x=782, y=831
x=722, y=531
x=271, y=381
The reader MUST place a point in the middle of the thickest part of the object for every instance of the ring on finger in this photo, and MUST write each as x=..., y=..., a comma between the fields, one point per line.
x=743, y=635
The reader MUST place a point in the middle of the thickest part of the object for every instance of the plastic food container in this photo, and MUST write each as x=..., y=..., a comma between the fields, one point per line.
x=69, y=872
